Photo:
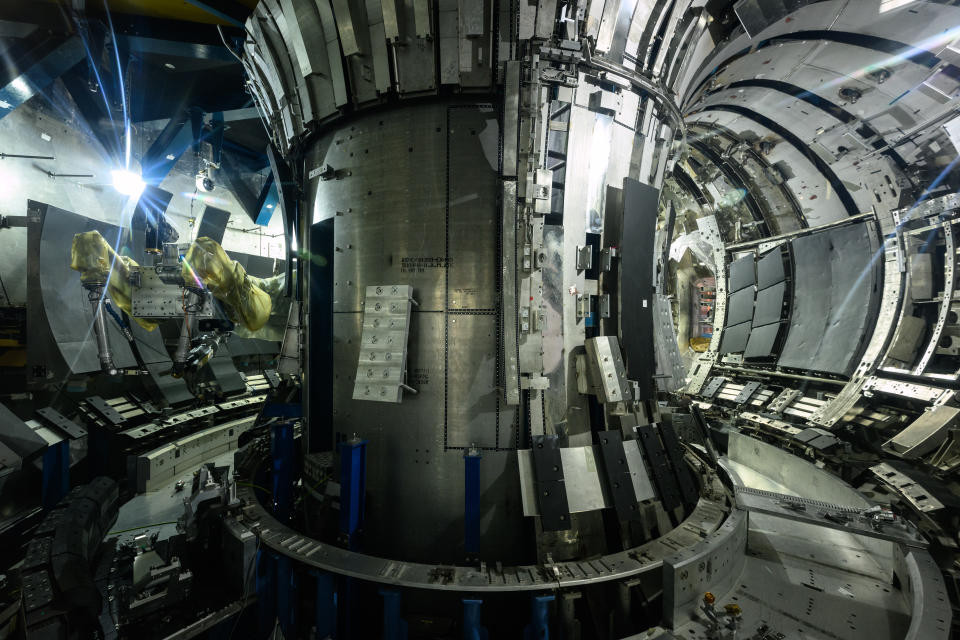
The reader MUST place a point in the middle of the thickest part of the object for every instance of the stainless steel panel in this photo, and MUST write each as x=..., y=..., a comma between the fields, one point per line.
x=421, y=18
x=510, y=358
x=417, y=198
x=712, y=565
x=473, y=396
x=415, y=62
x=381, y=58
x=472, y=213
x=391, y=19
x=392, y=222
x=471, y=17
x=343, y=11
x=581, y=479
x=476, y=50
x=333, y=51
x=546, y=18
x=926, y=433
x=511, y=117
x=449, y=43
x=639, y=475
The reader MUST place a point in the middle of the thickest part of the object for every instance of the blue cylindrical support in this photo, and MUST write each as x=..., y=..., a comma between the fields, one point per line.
x=353, y=480
x=286, y=596
x=471, y=501
x=266, y=588
x=539, y=627
x=394, y=626
x=282, y=453
x=56, y=473
x=326, y=606
x=472, y=629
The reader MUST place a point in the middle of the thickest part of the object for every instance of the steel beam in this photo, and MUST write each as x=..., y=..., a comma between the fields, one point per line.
x=40, y=74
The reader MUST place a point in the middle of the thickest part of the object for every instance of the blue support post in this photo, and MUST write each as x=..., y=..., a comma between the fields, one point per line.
x=539, y=627
x=281, y=450
x=267, y=202
x=159, y=159
x=286, y=596
x=394, y=626
x=353, y=480
x=266, y=589
x=325, y=606
x=472, y=629
x=471, y=501
x=56, y=473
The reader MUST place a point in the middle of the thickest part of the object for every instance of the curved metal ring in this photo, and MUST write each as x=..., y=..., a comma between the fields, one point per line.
x=704, y=519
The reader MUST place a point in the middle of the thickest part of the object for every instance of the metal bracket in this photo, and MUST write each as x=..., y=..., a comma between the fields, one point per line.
x=551, y=489
x=713, y=385
x=53, y=418
x=747, y=392
x=584, y=257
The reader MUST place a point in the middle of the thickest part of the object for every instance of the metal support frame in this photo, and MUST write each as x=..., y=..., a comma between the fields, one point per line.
x=56, y=473
x=539, y=627
x=394, y=626
x=471, y=501
x=266, y=202
x=353, y=479
x=281, y=451
x=163, y=154
x=40, y=74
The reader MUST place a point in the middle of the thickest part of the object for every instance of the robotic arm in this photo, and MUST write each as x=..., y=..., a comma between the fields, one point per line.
x=178, y=286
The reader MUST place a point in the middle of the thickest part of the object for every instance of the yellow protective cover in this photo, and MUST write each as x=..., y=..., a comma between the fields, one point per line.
x=207, y=262
x=96, y=261
x=700, y=344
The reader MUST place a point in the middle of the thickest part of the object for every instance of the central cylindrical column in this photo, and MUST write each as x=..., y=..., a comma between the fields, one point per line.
x=414, y=194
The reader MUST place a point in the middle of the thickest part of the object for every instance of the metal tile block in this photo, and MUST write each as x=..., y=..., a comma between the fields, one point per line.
x=382, y=363
x=924, y=434
x=156, y=299
x=471, y=18
x=605, y=369
x=391, y=19
x=421, y=18
x=345, y=27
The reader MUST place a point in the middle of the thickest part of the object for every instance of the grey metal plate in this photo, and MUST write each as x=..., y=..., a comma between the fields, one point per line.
x=410, y=243
x=52, y=417
x=739, y=307
x=585, y=490
x=473, y=398
x=770, y=269
x=735, y=338
x=761, y=341
x=17, y=436
x=926, y=433
x=741, y=273
x=213, y=223
x=472, y=215
x=834, y=297
x=156, y=299
x=164, y=387
x=769, y=305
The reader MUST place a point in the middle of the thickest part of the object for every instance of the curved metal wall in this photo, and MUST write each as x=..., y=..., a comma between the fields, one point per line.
x=415, y=202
